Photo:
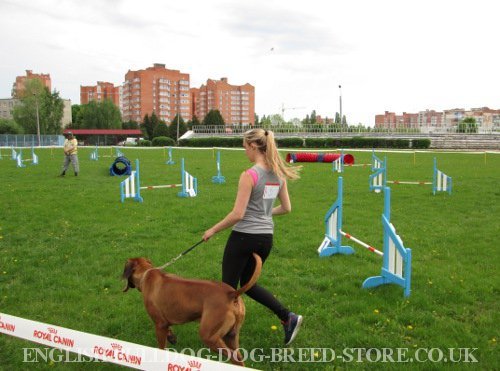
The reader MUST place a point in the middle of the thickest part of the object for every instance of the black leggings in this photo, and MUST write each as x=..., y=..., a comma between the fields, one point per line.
x=238, y=265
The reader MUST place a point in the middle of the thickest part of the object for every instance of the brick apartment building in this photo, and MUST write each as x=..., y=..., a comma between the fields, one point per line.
x=20, y=84
x=236, y=103
x=156, y=89
x=100, y=92
x=429, y=120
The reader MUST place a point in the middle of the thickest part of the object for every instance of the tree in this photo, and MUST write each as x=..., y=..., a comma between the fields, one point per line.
x=148, y=127
x=37, y=97
x=10, y=127
x=193, y=122
x=213, y=118
x=161, y=130
x=130, y=125
x=312, y=119
x=337, y=118
x=75, y=111
x=98, y=115
x=277, y=120
x=266, y=122
x=255, y=119
x=172, y=129
x=467, y=125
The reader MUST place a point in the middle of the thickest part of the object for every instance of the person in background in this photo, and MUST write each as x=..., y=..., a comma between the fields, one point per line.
x=70, y=153
x=252, y=222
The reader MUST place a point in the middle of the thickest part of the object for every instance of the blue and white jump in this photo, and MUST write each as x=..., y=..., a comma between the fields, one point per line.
x=20, y=161
x=131, y=188
x=94, y=155
x=338, y=164
x=189, y=183
x=378, y=179
x=396, y=268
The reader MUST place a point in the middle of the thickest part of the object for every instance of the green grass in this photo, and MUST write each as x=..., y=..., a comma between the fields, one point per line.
x=64, y=242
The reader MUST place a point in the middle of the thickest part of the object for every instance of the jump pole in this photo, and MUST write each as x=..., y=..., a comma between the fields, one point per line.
x=396, y=267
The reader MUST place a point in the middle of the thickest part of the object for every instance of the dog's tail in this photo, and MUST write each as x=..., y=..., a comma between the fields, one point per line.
x=253, y=279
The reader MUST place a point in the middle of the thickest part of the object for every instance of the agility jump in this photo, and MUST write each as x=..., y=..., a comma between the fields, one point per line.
x=20, y=161
x=396, y=267
x=94, y=155
x=131, y=187
x=378, y=179
x=343, y=160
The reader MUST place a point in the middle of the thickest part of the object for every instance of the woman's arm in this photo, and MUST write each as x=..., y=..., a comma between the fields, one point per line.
x=240, y=205
x=285, y=205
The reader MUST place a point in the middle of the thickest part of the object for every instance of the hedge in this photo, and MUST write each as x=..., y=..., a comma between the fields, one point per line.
x=354, y=142
x=163, y=142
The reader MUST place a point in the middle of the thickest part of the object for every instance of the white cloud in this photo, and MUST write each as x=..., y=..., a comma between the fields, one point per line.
x=387, y=54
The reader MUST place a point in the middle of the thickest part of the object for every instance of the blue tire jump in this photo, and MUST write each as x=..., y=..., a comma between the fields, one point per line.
x=121, y=166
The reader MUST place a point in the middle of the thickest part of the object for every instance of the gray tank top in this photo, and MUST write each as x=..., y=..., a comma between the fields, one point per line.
x=258, y=215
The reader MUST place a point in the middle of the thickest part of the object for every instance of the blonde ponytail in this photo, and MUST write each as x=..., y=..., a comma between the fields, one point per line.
x=265, y=143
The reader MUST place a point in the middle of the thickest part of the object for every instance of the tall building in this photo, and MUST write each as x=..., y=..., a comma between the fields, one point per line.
x=20, y=85
x=236, y=103
x=156, y=89
x=100, y=92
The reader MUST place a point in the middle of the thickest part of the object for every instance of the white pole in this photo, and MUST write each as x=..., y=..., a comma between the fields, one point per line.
x=371, y=248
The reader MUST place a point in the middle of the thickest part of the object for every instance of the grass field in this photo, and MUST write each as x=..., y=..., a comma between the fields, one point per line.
x=64, y=242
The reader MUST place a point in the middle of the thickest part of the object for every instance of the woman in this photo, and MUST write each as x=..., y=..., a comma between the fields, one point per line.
x=251, y=219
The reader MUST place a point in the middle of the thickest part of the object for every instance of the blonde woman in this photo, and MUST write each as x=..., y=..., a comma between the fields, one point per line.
x=252, y=222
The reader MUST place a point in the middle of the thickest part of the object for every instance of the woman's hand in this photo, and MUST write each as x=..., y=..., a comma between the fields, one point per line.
x=208, y=233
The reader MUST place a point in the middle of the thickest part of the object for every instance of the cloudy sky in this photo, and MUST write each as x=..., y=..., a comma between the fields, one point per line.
x=392, y=55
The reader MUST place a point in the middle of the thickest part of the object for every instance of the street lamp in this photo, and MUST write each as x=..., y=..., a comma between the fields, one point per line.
x=37, y=119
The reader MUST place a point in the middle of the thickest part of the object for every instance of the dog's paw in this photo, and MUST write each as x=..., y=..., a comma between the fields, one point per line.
x=172, y=339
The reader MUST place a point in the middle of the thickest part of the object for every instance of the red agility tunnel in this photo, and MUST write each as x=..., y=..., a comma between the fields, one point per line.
x=318, y=157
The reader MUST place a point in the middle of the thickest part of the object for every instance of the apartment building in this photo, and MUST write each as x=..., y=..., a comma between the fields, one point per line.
x=236, y=103
x=430, y=119
x=487, y=119
x=100, y=92
x=20, y=84
x=156, y=89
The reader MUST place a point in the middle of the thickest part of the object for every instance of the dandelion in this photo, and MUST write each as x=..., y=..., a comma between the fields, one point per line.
x=274, y=328
x=376, y=311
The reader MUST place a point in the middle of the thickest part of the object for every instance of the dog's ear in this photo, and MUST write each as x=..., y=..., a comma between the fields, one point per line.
x=127, y=274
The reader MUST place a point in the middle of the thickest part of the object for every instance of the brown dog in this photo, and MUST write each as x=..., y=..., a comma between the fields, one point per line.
x=172, y=300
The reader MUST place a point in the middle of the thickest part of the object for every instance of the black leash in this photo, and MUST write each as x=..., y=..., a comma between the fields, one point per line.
x=180, y=255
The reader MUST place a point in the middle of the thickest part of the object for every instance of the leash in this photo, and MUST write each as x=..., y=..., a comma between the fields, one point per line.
x=179, y=256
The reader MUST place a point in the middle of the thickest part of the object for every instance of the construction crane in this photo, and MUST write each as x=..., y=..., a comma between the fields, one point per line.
x=283, y=108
